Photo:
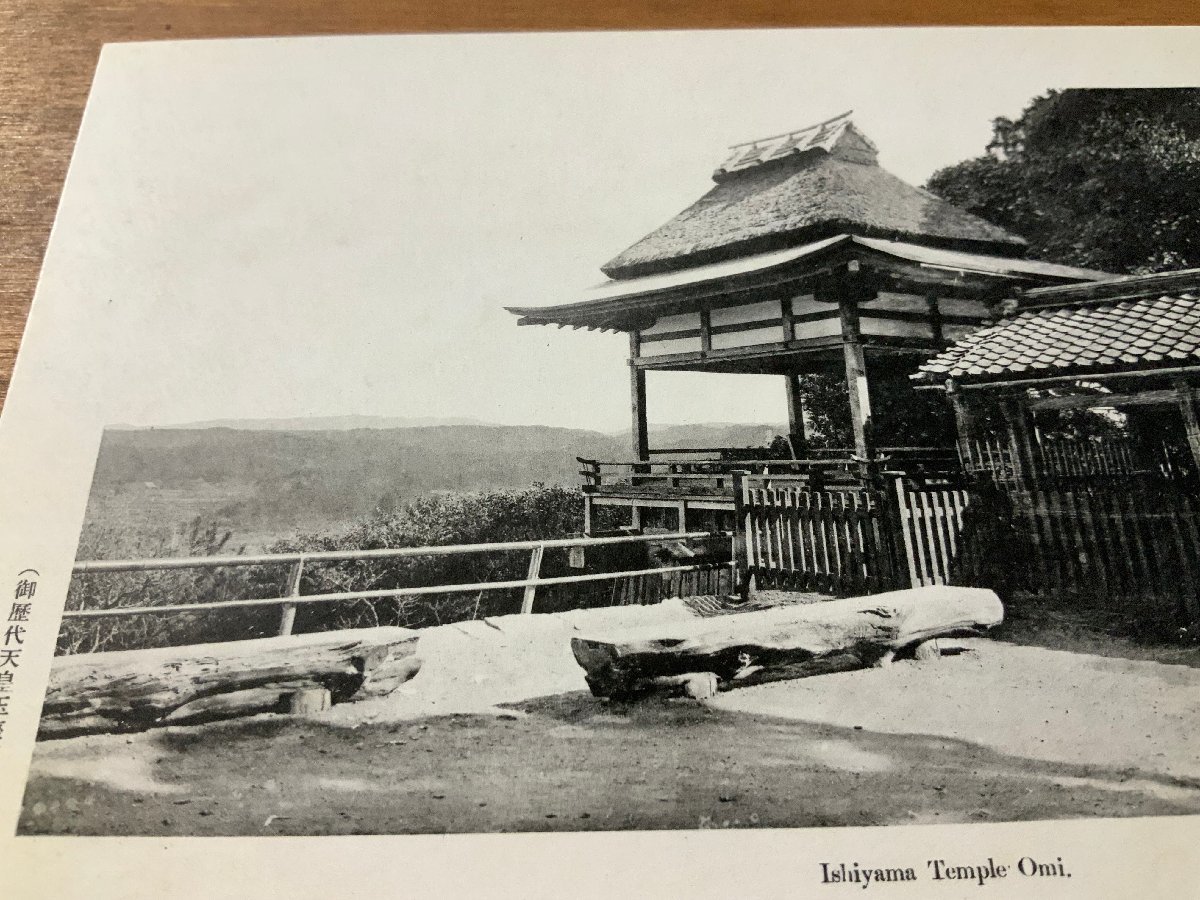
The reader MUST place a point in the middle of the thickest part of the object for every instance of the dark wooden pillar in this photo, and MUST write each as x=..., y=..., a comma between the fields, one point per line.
x=1186, y=395
x=637, y=402
x=705, y=329
x=936, y=326
x=795, y=404
x=857, y=381
x=964, y=423
x=1020, y=440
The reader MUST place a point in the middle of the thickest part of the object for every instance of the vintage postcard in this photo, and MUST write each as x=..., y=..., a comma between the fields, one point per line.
x=696, y=464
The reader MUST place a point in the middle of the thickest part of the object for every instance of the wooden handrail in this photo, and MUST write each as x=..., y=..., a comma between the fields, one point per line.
x=198, y=562
x=293, y=598
x=379, y=594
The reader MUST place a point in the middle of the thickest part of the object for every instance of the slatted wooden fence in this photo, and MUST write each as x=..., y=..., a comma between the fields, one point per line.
x=709, y=579
x=837, y=542
x=1114, y=543
x=1129, y=548
x=931, y=525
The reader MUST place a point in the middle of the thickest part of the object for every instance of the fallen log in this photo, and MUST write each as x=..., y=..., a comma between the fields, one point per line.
x=784, y=642
x=133, y=690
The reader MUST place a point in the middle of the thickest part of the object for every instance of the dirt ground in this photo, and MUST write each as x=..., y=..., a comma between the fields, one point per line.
x=497, y=734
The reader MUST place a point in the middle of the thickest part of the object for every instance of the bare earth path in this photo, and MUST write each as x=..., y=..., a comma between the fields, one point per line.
x=486, y=739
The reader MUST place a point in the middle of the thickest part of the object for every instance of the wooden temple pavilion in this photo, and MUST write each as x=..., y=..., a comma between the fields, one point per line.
x=805, y=257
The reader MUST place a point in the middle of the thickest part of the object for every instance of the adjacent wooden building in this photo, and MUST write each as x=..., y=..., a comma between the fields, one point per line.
x=1128, y=345
x=1096, y=447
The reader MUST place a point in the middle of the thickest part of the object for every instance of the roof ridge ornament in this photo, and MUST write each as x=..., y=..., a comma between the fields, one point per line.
x=836, y=136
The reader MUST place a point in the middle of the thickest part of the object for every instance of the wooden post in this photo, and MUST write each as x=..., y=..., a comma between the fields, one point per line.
x=1020, y=441
x=856, y=379
x=287, y=619
x=637, y=402
x=535, y=571
x=964, y=422
x=1191, y=416
x=587, y=515
x=740, y=577
x=795, y=404
x=936, y=326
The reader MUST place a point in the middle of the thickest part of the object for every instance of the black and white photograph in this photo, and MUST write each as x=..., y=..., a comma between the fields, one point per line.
x=610, y=433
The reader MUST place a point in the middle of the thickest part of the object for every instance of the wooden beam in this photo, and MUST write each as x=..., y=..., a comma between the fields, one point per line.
x=637, y=402
x=1044, y=380
x=1089, y=401
x=1111, y=290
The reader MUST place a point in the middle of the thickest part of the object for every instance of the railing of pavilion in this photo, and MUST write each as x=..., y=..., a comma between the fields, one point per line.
x=641, y=585
x=817, y=469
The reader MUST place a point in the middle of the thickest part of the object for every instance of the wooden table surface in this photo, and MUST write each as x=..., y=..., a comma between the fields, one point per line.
x=48, y=50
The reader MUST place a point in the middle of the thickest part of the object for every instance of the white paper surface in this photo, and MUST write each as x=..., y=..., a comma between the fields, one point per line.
x=311, y=227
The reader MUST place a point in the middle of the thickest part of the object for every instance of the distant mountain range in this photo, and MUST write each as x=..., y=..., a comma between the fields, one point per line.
x=716, y=434
x=316, y=423
x=269, y=478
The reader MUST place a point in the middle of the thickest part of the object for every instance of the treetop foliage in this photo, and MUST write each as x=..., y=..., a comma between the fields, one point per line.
x=1102, y=178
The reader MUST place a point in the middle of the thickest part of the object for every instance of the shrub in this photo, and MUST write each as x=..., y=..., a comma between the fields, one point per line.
x=534, y=513
x=102, y=590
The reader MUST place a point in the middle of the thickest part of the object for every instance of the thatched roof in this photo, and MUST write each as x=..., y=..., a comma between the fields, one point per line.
x=800, y=187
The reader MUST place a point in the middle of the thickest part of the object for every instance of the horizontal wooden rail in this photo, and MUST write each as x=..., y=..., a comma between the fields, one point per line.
x=714, y=464
x=195, y=562
x=665, y=450
x=375, y=595
x=297, y=561
x=838, y=451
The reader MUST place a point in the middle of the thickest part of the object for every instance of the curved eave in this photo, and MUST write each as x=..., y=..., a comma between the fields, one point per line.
x=611, y=305
x=622, y=305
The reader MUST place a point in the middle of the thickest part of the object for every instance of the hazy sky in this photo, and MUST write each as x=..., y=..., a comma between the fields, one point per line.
x=330, y=226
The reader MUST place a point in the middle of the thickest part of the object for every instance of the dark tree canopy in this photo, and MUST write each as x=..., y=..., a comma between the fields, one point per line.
x=1102, y=178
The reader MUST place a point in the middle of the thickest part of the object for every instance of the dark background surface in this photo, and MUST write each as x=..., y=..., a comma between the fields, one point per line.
x=48, y=51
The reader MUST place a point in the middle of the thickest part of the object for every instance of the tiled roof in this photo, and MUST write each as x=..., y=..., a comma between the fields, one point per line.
x=1084, y=339
x=802, y=187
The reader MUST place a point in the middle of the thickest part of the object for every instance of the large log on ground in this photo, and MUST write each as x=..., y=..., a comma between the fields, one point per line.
x=784, y=642
x=132, y=690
